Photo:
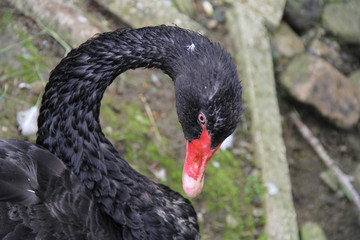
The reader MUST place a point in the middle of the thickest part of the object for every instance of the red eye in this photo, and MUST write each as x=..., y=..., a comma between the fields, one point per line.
x=202, y=118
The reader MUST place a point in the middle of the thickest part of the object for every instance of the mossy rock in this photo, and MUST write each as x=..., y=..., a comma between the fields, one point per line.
x=343, y=19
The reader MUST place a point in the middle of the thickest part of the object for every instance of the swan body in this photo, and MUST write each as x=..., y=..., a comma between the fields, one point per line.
x=104, y=194
x=32, y=180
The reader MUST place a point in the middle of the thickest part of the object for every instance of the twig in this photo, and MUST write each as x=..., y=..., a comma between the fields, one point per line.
x=4, y=92
x=319, y=149
x=153, y=123
x=55, y=35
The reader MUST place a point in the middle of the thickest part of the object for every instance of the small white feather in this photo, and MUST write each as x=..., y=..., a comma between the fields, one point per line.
x=160, y=174
x=216, y=164
x=24, y=85
x=27, y=121
x=200, y=216
x=272, y=188
x=191, y=47
x=82, y=19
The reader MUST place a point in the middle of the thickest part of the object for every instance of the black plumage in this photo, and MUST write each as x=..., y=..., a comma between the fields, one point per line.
x=96, y=194
x=41, y=198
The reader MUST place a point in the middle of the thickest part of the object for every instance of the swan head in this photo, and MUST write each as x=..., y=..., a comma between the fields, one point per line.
x=208, y=103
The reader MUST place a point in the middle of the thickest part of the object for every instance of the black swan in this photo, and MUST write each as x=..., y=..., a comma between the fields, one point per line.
x=92, y=192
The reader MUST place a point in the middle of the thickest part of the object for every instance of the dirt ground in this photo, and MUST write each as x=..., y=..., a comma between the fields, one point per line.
x=314, y=201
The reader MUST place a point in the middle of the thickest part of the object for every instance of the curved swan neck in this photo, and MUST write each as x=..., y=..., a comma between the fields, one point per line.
x=76, y=86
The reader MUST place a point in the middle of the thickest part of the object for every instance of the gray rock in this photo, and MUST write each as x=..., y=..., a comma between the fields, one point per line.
x=303, y=14
x=332, y=52
x=37, y=87
x=355, y=79
x=271, y=11
x=149, y=12
x=312, y=231
x=312, y=34
x=71, y=23
x=287, y=42
x=219, y=13
x=321, y=49
x=184, y=6
x=343, y=19
x=211, y=23
x=314, y=81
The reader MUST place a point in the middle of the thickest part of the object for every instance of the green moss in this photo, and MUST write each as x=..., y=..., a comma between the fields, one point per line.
x=228, y=193
x=253, y=188
x=29, y=64
x=221, y=186
x=20, y=61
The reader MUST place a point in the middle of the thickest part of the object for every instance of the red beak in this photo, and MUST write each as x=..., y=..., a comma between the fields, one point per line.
x=198, y=155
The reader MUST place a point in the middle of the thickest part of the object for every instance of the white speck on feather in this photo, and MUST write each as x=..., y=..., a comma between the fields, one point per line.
x=214, y=90
x=161, y=213
x=272, y=188
x=227, y=143
x=27, y=121
x=191, y=47
x=29, y=190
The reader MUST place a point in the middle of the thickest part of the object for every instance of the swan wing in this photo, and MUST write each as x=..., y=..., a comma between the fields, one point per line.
x=40, y=198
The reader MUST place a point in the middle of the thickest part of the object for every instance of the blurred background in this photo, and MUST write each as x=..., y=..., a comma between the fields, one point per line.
x=309, y=55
